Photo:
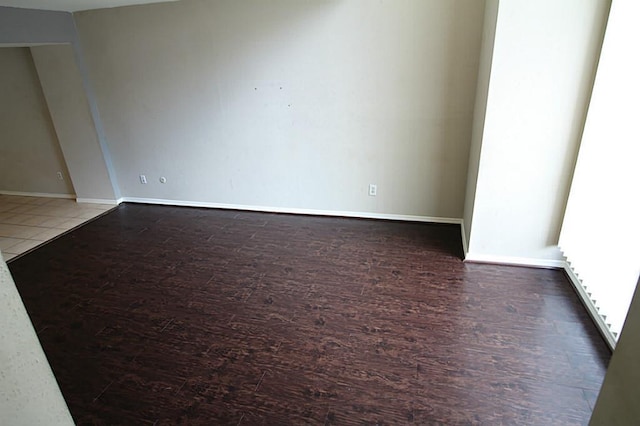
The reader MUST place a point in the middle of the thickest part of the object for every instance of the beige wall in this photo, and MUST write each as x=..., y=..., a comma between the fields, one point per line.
x=28, y=26
x=290, y=103
x=67, y=101
x=72, y=92
x=30, y=155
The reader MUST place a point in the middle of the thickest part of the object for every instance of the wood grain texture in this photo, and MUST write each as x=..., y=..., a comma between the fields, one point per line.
x=163, y=315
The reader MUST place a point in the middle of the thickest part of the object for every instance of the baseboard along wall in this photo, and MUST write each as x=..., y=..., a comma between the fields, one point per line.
x=98, y=201
x=291, y=210
x=515, y=261
x=584, y=297
x=38, y=194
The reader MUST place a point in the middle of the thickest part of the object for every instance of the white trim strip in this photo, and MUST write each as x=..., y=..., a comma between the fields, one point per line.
x=362, y=215
x=515, y=261
x=38, y=194
x=553, y=264
x=98, y=201
x=591, y=308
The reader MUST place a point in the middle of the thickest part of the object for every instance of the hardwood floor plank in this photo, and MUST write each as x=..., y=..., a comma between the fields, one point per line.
x=163, y=315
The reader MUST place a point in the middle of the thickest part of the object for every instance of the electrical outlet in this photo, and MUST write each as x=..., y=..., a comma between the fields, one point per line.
x=143, y=179
x=373, y=189
x=60, y=177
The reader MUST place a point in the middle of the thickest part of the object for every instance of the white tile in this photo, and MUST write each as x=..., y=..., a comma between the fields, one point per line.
x=13, y=218
x=46, y=210
x=70, y=223
x=102, y=207
x=19, y=199
x=5, y=215
x=60, y=202
x=6, y=242
x=89, y=213
x=77, y=221
x=68, y=212
x=7, y=206
x=37, y=201
x=26, y=222
x=7, y=230
x=39, y=210
x=34, y=220
x=23, y=246
x=53, y=221
x=19, y=231
x=22, y=208
x=48, y=234
x=8, y=256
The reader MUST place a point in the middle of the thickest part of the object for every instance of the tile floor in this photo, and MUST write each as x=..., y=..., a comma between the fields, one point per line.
x=27, y=222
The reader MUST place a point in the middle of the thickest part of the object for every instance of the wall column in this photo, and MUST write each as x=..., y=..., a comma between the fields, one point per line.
x=542, y=70
x=62, y=86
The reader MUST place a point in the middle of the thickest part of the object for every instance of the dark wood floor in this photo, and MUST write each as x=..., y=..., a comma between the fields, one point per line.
x=160, y=315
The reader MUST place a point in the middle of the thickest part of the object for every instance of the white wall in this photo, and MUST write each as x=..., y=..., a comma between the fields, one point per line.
x=63, y=89
x=544, y=59
x=601, y=233
x=480, y=109
x=297, y=104
x=29, y=394
x=30, y=155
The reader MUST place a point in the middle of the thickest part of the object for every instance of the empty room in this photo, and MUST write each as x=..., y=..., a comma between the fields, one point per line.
x=269, y=212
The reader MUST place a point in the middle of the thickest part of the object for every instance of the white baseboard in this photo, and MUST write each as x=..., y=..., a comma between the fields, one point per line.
x=38, y=194
x=552, y=264
x=515, y=261
x=338, y=213
x=98, y=201
x=591, y=308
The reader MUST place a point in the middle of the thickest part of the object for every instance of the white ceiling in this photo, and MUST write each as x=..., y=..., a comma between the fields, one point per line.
x=73, y=5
